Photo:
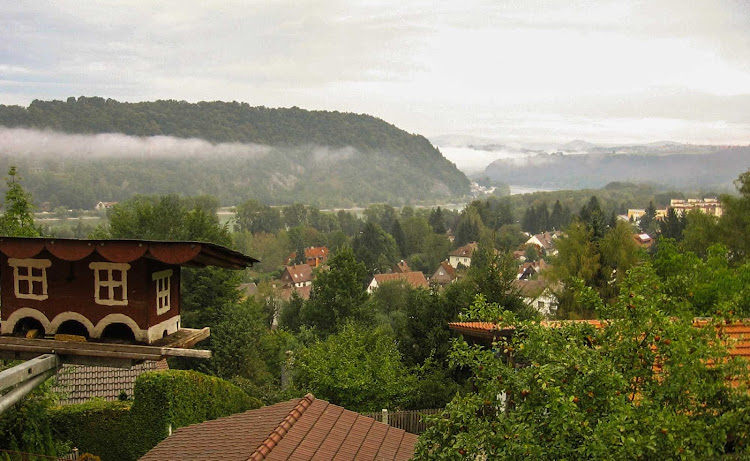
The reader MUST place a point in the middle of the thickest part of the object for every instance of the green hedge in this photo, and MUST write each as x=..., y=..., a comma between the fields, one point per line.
x=162, y=399
x=95, y=427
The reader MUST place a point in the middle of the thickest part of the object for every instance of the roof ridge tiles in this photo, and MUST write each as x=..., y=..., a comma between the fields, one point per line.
x=282, y=429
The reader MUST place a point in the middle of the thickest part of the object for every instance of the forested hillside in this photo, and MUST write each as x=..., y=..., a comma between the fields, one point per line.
x=713, y=168
x=274, y=155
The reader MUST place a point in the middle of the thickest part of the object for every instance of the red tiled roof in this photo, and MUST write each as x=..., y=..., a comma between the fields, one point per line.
x=401, y=266
x=316, y=252
x=299, y=429
x=466, y=250
x=311, y=254
x=299, y=273
x=414, y=278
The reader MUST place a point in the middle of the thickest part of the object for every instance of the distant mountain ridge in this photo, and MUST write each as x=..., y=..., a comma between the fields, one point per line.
x=316, y=157
x=694, y=166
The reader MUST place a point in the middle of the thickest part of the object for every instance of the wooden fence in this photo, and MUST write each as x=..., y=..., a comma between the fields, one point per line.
x=408, y=420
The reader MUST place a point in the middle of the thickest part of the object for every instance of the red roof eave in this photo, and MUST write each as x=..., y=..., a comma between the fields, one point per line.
x=193, y=254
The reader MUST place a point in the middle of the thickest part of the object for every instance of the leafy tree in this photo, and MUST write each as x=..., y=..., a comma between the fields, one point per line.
x=18, y=218
x=701, y=231
x=338, y=294
x=468, y=227
x=349, y=223
x=290, y=317
x=647, y=385
x=436, y=221
x=381, y=214
x=592, y=215
x=427, y=316
x=399, y=236
x=237, y=339
x=672, y=225
x=256, y=217
x=577, y=259
x=358, y=368
x=435, y=247
x=494, y=275
x=531, y=253
x=647, y=223
x=417, y=230
x=619, y=252
x=295, y=215
x=706, y=286
x=734, y=224
x=25, y=427
x=376, y=249
x=559, y=218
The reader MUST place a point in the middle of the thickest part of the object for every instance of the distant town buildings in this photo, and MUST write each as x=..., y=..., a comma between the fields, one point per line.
x=709, y=205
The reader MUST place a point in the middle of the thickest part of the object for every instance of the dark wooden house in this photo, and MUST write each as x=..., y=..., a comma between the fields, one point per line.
x=119, y=289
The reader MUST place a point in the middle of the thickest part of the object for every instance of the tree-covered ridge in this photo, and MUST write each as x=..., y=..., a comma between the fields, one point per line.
x=333, y=158
x=710, y=168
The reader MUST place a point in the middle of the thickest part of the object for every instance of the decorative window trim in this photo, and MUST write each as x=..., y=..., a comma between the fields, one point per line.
x=163, y=281
x=30, y=278
x=109, y=283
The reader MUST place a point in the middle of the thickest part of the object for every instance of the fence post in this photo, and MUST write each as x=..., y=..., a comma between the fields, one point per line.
x=385, y=416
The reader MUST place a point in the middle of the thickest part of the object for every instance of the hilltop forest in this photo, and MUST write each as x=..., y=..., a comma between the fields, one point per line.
x=276, y=156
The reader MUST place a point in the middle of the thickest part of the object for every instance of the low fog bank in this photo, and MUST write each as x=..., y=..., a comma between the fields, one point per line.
x=46, y=143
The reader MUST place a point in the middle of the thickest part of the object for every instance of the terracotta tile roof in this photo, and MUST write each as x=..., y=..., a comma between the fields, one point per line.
x=316, y=252
x=737, y=334
x=313, y=256
x=299, y=429
x=79, y=383
x=414, y=278
x=464, y=251
x=401, y=266
x=299, y=273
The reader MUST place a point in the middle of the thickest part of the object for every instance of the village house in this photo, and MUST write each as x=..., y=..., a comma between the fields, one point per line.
x=104, y=205
x=115, y=289
x=314, y=256
x=530, y=269
x=401, y=267
x=462, y=255
x=298, y=429
x=296, y=279
x=537, y=294
x=545, y=242
x=415, y=279
x=298, y=275
x=445, y=274
x=643, y=240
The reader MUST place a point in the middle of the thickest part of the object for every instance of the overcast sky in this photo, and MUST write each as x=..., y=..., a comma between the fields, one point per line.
x=515, y=71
